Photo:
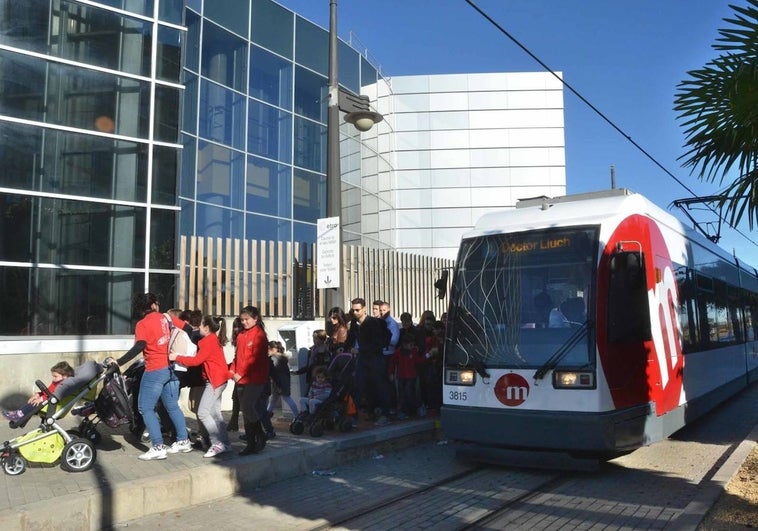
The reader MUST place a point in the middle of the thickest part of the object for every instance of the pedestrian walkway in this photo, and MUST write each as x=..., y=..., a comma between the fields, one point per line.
x=120, y=487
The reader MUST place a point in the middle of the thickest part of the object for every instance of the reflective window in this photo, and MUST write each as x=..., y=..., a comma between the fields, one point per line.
x=169, y=10
x=189, y=169
x=222, y=115
x=163, y=239
x=303, y=232
x=192, y=46
x=349, y=74
x=64, y=301
x=25, y=24
x=311, y=46
x=46, y=160
x=310, y=145
x=189, y=103
x=368, y=73
x=308, y=196
x=269, y=132
x=266, y=228
x=165, y=169
x=269, y=187
x=220, y=176
x=140, y=7
x=232, y=14
x=187, y=218
x=169, y=54
x=219, y=222
x=271, y=26
x=58, y=231
x=270, y=78
x=311, y=92
x=224, y=57
x=75, y=97
x=166, y=114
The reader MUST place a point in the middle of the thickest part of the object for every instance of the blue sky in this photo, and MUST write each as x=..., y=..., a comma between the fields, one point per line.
x=626, y=57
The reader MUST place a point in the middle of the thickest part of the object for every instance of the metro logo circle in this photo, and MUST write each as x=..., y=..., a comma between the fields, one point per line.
x=512, y=389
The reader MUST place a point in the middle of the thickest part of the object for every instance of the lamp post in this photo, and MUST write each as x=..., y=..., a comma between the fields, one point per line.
x=363, y=118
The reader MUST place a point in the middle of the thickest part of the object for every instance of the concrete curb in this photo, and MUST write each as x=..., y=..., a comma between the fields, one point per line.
x=712, y=488
x=96, y=509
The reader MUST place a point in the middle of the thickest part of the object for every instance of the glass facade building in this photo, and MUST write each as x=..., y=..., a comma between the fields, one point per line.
x=125, y=124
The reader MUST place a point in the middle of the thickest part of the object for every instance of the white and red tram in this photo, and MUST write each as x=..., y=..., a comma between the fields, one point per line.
x=591, y=325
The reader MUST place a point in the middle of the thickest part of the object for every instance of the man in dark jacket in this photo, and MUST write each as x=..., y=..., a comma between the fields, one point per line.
x=366, y=339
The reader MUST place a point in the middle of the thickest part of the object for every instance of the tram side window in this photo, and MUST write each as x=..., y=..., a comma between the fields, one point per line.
x=687, y=308
x=751, y=326
x=628, y=309
x=735, y=316
x=722, y=329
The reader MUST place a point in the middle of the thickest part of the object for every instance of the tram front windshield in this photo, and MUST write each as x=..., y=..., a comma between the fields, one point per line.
x=517, y=299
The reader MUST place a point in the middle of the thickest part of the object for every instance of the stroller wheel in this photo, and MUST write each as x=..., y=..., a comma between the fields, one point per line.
x=346, y=425
x=78, y=455
x=14, y=464
x=317, y=429
x=297, y=427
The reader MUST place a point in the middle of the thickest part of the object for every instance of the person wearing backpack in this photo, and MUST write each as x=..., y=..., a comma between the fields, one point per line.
x=367, y=338
x=159, y=381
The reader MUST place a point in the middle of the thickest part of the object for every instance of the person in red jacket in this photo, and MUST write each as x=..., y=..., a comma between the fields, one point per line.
x=249, y=370
x=402, y=369
x=215, y=374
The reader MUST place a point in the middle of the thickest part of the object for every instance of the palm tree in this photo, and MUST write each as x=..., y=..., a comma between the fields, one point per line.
x=718, y=105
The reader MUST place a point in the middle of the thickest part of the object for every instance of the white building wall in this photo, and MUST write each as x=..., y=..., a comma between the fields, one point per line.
x=467, y=144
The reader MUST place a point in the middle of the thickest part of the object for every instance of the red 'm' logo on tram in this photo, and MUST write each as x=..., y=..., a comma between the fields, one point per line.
x=512, y=389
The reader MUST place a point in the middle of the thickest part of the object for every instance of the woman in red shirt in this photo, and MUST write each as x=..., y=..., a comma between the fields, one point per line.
x=159, y=381
x=249, y=370
x=210, y=355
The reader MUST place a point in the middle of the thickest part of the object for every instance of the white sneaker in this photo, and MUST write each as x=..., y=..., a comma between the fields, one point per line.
x=156, y=452
x=216, y=449
x=180, y=446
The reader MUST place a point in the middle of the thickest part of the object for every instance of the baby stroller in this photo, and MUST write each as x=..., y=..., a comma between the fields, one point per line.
x=50, y=443
x=333, y=412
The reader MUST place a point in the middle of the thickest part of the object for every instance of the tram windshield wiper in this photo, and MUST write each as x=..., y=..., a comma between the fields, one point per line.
x=479, y=366
x=564, y=349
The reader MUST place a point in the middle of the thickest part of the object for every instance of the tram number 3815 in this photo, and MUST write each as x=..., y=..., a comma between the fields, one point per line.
x=458, y=396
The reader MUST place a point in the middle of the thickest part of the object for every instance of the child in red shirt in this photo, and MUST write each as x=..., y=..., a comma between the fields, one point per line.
x=60, y=371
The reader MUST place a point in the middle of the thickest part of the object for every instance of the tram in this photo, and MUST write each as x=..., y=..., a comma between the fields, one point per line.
x=591, y=325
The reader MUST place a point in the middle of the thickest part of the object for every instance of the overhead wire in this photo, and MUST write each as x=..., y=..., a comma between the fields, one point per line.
x=602, y=115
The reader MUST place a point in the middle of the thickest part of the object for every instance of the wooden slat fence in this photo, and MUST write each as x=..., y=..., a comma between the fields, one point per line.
x=220, y=276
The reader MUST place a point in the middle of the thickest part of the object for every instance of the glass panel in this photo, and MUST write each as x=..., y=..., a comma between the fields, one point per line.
x=192, y=46
x=163, y=239
x=270, y=78
x=308, y=196
x=232, y=14
x=189, y=169
x=310, y=145
x=311, y=92
x=368, y=73
x=311, y=46
x=25, y=24
x=219, y=222
x=46, y=160
x=169, y=54
x=269, y=187
x=60, y=301
x=303, y=232
x=171, y=11
x=269, y=132
x=220, y=175
x=189, y=103
x=165, y=170
x=167, y=114
x=94, y=36
x=222, y=115
x=520, y=298
x=348, y=73
x=266, y=228
x=224, y=57
x=75, y=97
x=271, y=27
x=57, y=231
x=187, y=218
x=140, y=7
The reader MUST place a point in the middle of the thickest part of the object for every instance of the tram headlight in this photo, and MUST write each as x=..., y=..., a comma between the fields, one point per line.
x=573, y=380
x=460, y=377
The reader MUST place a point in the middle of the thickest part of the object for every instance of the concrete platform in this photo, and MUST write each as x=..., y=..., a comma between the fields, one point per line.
x=120, y=487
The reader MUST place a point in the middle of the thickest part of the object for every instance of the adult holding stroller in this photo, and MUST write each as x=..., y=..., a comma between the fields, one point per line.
x=159, y=382
x=250, y=371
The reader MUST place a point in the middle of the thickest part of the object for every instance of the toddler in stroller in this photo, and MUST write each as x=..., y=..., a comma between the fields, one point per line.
x=50, y=443
x=326, y=403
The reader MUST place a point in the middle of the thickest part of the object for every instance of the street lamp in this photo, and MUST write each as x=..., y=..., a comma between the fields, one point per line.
x=363, y=118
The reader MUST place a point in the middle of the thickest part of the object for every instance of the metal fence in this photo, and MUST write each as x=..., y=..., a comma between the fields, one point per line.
x=219, y=276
